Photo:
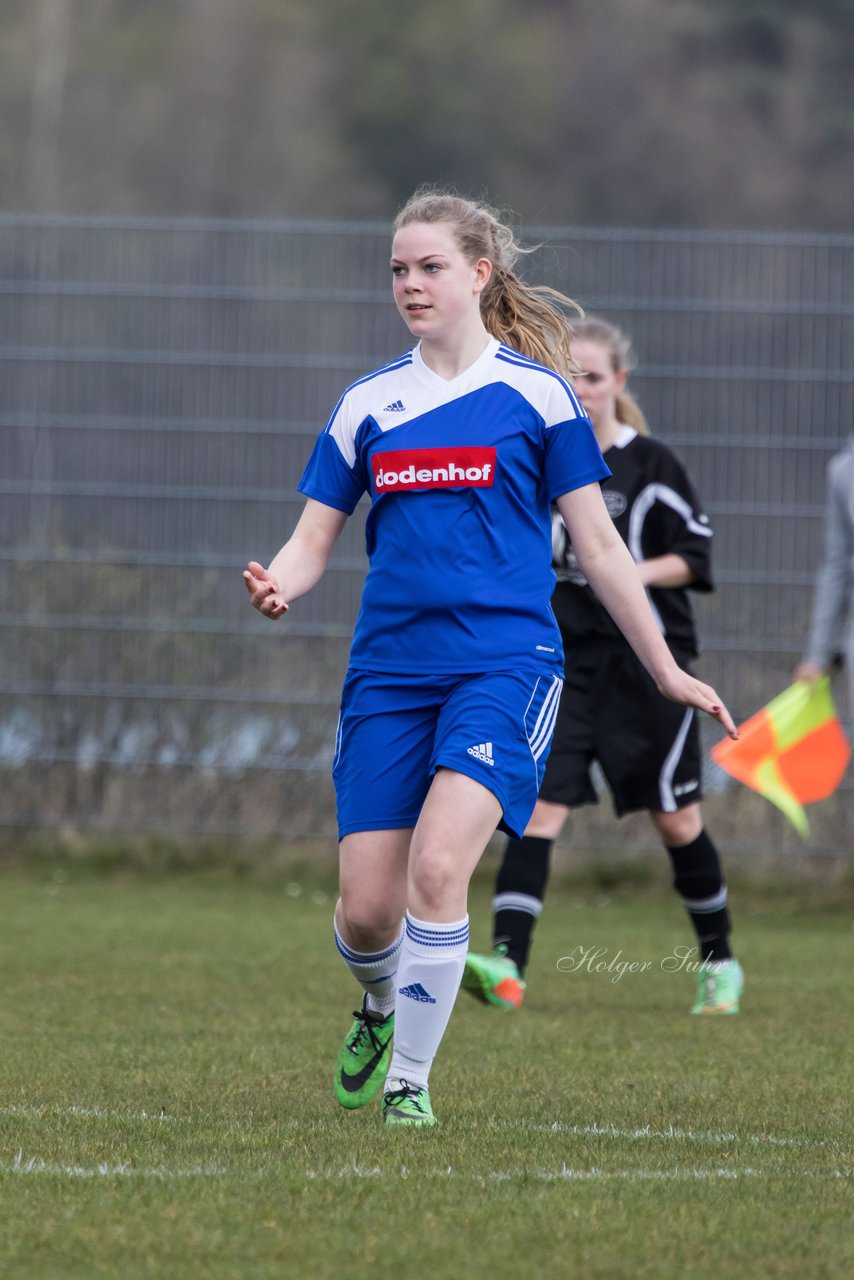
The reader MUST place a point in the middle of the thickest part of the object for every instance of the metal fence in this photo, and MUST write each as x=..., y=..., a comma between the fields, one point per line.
x=161, y=383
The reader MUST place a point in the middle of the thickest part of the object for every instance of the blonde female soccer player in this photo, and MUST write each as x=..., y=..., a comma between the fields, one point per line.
x=456, y=665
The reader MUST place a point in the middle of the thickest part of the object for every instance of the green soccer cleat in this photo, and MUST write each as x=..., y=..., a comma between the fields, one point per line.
x=364, y=1058
x=408, y=1105
x=719, y=986
x=494, y=979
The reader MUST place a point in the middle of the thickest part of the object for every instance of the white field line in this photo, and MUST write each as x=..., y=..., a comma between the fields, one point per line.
x=31, y=1110
x=126, y=1169
x=565, y=1173
x=668, y=1134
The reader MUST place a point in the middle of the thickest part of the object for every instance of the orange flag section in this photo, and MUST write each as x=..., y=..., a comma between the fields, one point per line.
x=793, y=752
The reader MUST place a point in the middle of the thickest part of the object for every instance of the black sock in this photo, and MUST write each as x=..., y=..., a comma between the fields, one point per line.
x=698, y=879
x=519, y=891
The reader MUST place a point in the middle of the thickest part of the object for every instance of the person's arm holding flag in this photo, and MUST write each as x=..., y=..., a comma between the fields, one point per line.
x=834, y=588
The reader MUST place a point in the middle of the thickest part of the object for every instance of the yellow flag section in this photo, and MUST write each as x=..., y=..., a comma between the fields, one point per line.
x=793, y=752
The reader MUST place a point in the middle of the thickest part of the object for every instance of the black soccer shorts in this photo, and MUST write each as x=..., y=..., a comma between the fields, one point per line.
x=611, y=711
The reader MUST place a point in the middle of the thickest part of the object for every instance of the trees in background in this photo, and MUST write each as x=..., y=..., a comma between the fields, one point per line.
x=635, y=112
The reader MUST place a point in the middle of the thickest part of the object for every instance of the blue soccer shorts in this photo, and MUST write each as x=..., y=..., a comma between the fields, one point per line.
x=395, y=731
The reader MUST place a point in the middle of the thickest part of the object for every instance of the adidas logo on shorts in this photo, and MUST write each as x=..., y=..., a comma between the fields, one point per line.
x=482, y=752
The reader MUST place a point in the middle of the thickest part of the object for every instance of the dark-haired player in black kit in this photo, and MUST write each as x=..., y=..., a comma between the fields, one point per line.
x=611, y=711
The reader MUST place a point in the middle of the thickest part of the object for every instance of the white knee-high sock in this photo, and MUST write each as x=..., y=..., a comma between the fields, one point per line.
x=432, y=960
x=374, y=971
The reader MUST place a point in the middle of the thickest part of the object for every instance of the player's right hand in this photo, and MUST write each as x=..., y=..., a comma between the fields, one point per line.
x=265, y=594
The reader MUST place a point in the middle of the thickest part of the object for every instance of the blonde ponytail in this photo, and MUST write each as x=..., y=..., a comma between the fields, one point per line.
x=629, y=411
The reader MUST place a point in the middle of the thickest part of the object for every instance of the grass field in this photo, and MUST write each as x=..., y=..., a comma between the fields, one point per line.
x=166, y=1108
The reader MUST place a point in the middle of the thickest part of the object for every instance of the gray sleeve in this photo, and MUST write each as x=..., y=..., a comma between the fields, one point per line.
x=833, y=591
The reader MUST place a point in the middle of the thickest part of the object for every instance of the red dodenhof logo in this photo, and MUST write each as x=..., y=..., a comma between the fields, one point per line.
x=458, y=467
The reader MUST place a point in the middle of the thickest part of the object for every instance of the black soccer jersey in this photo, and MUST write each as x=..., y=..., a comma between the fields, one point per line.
x=656, y=511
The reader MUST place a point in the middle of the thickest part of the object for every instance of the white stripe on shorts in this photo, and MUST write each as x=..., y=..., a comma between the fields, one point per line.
x=543, y=729
x=665, y=778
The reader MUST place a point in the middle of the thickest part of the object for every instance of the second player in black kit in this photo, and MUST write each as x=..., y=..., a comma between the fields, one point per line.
x=611, y=712
x=648, y=749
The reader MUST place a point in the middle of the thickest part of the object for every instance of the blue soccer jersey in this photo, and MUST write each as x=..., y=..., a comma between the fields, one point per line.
x=460, y=474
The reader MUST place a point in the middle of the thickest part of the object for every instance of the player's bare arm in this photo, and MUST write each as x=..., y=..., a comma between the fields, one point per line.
x=611, y=571
x=665, y=571
x=299, y=565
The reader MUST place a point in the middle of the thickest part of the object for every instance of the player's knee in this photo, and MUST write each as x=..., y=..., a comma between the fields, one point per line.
x=434, y=882
x=547, y=821
x=367, y=924
x=680, y=827
x=697, y=871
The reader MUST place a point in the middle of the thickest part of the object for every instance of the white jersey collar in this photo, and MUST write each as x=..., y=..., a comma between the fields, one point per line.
x=626, y=436
x=486, y=356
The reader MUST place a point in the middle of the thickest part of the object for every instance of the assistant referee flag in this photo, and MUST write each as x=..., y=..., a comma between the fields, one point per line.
x=793, y=751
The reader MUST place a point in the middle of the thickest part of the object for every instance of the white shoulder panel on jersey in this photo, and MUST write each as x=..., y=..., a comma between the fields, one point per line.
x=385, y=395
x=396, y=393
x=546, y=391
